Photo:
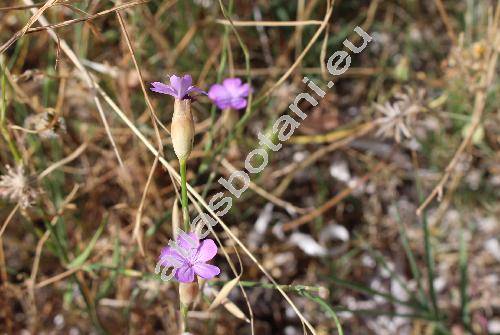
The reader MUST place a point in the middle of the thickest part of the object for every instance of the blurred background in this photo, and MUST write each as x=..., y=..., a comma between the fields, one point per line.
x=378, y=216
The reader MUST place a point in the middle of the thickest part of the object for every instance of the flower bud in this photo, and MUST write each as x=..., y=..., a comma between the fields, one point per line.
x=188, y=292
x=182, y=129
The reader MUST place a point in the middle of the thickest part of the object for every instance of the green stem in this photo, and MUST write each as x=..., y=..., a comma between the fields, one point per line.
x=3, y=108
x=184, y=195
x=429, y=258
x=290, y=288
x=184, y=315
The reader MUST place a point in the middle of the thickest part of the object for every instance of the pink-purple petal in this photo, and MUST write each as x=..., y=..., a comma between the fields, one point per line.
x=206, y=271
x=176, y=83
x=239, y=103
x=196, y=90
x=230, y=83
x=179, y=88
x=231, y=94
x=220, y=96
x=206, y=251
x=170, y=257
x=162, y=88
x=218, y=92
x=187, y=240
x=187, y=81
x=185, y=274
x=244, y=90
x=223, y=103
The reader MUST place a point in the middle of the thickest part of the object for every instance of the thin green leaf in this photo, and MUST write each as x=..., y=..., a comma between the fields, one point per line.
x=80, y=259
x=464, y=280
x=411, y=258
x=369, y=291
x=329, y=310
x=429, y=258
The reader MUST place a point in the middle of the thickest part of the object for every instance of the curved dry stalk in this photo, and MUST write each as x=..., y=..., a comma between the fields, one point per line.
x=36, y=16
x=153, y=115
x=154, y=120
x=107, y=129
x=479, y=105
x=446, y=20
x=30, y=283
x=271, y=23
x=62, y=162
x=265, y=71
x=333, y=201
x=266, y=195
x=136, y=234
x=316, y=35
x=58, y=277
x=87, y=18
x=341, y=140
x=8, y=219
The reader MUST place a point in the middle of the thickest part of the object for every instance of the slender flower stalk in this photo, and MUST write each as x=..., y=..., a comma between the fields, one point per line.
x=184, y=196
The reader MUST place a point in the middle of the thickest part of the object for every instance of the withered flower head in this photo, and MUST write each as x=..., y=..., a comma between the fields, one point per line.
x=15, y=186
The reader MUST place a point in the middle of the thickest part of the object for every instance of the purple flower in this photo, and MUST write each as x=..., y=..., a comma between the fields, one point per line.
x=189, y=256
x=231, y=94
x=179, y=87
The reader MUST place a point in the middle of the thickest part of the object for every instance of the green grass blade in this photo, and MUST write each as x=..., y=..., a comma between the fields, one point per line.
x=464, y=280
x=80, y=259
x=371, y=292
x=329, y=310
x=429, y=258
x=395, y=276
x=417, y=276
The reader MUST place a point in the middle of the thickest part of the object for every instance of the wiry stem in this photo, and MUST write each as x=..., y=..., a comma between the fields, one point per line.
x=184, y=318
x=3, y=107
x=184, y=196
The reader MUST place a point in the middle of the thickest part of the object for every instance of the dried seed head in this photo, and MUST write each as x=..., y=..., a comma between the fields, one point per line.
x=15, y=187
x=45, y=125
x=398, y=118
x=182, y=129
x=188, y=292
